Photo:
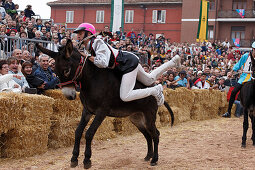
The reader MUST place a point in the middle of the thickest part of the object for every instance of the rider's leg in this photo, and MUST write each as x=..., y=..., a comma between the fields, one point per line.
x=149, y=78
x=127, y=92
x=232, y=99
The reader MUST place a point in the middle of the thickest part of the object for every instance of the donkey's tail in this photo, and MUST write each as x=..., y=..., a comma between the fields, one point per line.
x=170, y=111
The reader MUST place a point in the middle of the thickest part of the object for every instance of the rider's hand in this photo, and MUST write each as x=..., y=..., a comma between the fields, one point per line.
x=92, y=59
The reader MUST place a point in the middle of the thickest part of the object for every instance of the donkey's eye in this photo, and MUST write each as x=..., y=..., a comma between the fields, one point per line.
x=67, y=72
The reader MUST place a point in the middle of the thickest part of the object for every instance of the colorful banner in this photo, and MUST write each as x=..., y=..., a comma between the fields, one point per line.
x=117, y=15
x=241, y=12
x=236, y=42
x=203, y=21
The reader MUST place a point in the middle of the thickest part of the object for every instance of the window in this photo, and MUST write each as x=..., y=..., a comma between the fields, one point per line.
x=210, y=32
x=211, y=5
x=239, y=4
x=129, y=16
x=100, y=17
x=238, y=32
x=159, y=16
x=69, y=16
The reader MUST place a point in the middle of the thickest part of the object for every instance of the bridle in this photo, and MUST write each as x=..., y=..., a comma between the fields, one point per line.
x=81, y=64
x=77, y=73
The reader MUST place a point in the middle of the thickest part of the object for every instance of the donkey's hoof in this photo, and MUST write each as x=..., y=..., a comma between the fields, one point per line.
x=74, y=164
x=147, y=158
x=154, y=163
x=243, y=146
x=87, y=164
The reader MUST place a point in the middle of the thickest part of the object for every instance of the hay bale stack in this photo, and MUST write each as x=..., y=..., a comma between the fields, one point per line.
x=106, y=130
x=206, y=104
x=65, y=118
x=223, y=103
x=32, y=127
x=9, y=109
x=181, y=101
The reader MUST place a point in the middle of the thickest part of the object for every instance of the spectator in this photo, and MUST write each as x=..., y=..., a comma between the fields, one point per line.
x=29, y=12
x=201, y=83
x=54, y=45
x=13, y=69
x=181, y=79
x=45, y=73
x=171, y=83
x=52, y=64
x=10, y=8
x=7, y=84
x=34, y=82
x=2, y=12
x=38, y=24
x=26, y=56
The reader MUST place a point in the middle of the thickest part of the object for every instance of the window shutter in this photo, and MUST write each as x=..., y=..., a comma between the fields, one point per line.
x=127, y=16
x=154, y=16
x=131, y=16
x=163, y=16
x=67, y=17
x=97, y=16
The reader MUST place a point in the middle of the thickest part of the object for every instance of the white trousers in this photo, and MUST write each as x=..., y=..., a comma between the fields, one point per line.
x=127, y=92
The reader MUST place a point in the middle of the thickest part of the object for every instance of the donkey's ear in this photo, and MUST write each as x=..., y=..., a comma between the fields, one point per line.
x=69, y=48
x=50, y=53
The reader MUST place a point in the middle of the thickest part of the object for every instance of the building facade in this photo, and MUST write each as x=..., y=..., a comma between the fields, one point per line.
x=223, y=21
x=151, y=16
x=177, y=19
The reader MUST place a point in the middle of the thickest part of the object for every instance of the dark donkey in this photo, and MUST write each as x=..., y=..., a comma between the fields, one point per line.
x=100, y=96
x=247, y=95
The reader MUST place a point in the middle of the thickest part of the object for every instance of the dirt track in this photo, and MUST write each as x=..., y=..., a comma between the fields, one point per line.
x=210, y=144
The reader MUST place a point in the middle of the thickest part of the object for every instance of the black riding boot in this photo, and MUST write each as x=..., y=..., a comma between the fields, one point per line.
x=232, y=99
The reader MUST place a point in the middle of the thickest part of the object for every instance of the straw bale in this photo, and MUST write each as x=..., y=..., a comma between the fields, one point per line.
x=181, y=101
x=25, y=141
x=9, y=109
x=30, y=124
x=65, y=119
x=206, y=104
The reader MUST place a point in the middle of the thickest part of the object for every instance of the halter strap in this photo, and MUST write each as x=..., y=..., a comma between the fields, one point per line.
x=77, y=73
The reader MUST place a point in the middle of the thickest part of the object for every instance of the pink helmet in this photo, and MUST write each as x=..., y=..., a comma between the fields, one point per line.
x=86, y=27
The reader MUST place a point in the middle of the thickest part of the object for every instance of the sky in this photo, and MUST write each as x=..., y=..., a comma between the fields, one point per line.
x=38, y=6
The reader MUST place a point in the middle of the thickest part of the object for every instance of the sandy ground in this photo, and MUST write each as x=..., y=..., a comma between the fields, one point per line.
x=210, y=144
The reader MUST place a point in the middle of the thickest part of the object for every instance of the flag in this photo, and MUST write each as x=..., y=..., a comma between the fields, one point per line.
x=203, y=21
x=117, y=15
x=241, y=12
x=236, y=42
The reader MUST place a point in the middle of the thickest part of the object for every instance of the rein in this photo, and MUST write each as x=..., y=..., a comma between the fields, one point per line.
x=77, y=73
x=81, y=64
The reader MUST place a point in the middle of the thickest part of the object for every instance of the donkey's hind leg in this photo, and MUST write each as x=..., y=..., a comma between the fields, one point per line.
x=78, y=134
x=100, y=116
x=253, y=128
x=138, y=120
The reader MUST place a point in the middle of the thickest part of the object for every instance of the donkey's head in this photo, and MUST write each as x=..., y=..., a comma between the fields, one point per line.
x=67, y=67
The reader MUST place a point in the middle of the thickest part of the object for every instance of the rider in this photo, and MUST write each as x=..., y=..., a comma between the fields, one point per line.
x=246, y=64
x=104, y=56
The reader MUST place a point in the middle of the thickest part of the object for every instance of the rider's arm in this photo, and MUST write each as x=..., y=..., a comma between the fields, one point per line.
x=241, y=62
x=103, y=54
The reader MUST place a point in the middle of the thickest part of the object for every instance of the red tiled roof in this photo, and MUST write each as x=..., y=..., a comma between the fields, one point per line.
x=68, y=2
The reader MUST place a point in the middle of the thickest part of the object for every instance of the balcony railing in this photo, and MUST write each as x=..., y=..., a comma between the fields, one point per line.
x=243, y=43
x=234, y=14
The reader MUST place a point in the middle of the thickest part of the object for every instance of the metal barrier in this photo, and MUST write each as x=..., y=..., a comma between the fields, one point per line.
x=8, y=44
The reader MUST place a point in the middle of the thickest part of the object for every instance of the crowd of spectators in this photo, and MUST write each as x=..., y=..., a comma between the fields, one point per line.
x=204, y=65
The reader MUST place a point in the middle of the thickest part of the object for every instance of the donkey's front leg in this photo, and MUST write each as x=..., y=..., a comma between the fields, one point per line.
x=89, y=136
x=245, y=127
x=78, y=134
